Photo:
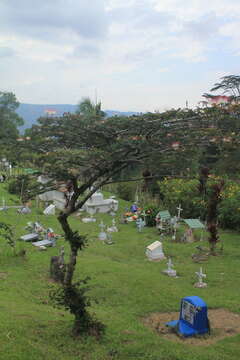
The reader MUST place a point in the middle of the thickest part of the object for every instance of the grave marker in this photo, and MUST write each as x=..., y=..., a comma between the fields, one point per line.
x=154, y=251
x=200, y=283
x=193, y=319
x=170, y=271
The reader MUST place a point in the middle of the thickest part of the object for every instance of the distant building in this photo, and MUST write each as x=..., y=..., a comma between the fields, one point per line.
x=217, y=100
x=50, y=112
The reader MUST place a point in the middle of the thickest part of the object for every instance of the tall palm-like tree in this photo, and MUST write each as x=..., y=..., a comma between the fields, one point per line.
x=90, y=110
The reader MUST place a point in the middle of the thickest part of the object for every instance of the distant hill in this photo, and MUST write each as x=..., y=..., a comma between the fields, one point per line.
x=31, y=112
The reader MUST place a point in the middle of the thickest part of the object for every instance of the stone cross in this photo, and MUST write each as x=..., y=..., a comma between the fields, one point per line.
x=170, y=271
x=200, y=275
x=179, y=209
x=170, y=265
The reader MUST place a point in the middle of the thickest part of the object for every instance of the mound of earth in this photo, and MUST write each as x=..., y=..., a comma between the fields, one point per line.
x=223, y=323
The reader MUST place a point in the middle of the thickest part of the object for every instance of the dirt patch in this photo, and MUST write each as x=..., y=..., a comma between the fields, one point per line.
x=223, y=324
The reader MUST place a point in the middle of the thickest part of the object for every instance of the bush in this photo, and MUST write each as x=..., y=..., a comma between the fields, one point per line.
x=186, y=193
x=24, y=186
x=229, y=208
x=151, y=212
x=126, y=190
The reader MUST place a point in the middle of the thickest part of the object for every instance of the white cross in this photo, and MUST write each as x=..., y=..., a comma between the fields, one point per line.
x=179, y=211
x=200, y=275
x=170, y=265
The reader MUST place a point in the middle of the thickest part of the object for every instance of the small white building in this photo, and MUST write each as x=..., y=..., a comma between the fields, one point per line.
x=97, y=203
x=154, y=251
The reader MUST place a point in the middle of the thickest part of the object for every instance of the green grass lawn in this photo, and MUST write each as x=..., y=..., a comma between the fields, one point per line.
x=127, y=288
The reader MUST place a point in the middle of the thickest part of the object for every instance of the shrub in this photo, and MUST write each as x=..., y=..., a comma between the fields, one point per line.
x=151, y=213
x=184, y=192
x=126, y=190
x=24, y=186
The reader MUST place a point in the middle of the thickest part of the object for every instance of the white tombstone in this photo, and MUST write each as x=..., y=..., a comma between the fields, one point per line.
x=50, y=210
x=154, y=251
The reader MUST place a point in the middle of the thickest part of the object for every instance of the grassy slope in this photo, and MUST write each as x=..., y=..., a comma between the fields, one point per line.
x=127, y=287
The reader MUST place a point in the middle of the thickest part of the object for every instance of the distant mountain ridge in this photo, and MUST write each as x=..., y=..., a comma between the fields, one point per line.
x=31, y=112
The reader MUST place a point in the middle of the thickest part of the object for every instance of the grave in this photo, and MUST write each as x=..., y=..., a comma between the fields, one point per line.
x=170, y=272
x=154, y=251
x=44, y=242
x=163, y=220
x=193, y=319
x=179, y=209
x=30, y=237
x=97, y=203
x=200, y=283
x=188, y=236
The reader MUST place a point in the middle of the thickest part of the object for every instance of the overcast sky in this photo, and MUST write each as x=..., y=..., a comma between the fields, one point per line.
x=140, y=55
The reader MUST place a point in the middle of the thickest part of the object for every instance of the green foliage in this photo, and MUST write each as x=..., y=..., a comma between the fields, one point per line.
x=89, y=110
x=6, y=233
x=184, y=192
x=78, y=241
x=73, y=298
x=151, y=213
x=25, y=186
x=229, y=208
x=9, y=119
x=126, y=190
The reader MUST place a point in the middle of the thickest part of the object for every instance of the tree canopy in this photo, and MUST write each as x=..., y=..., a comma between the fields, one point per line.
x=229, y=85
x=9, y=119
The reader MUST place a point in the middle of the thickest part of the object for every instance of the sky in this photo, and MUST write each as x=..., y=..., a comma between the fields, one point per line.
x=136, y=55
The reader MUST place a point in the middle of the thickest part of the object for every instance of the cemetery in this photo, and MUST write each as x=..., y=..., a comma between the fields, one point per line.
x=117, y=244
x=136, y=298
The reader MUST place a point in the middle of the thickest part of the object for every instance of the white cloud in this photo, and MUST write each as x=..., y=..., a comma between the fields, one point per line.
x=60, y=50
